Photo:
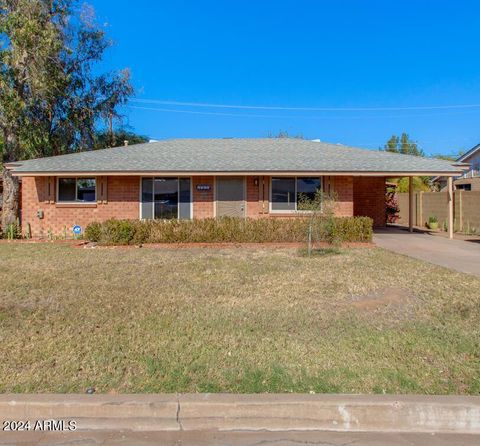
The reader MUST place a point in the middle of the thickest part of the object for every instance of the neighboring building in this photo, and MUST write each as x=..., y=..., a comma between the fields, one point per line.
x=199, y=178
x=470, y=179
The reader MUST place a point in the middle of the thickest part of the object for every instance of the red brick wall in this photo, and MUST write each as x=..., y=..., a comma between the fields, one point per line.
x=257, y=196
x=369, y=198
x=342, y=188
x=355, y=196
x=122, y=202
x=203, y=202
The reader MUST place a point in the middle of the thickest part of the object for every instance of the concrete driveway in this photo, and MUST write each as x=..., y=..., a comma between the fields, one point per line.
x=459, y=255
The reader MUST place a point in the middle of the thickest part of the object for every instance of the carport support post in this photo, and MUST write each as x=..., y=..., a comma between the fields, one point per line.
x=410, y=204
x=450, y=206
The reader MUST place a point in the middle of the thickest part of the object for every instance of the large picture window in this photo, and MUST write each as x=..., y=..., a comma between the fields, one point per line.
x=81, y=190
x=166, y=198
x=288, y=192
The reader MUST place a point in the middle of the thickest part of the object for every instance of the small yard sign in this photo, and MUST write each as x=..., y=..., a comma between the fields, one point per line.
x=77, y=230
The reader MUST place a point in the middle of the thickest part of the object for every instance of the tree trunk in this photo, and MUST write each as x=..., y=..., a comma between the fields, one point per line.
x=11, y=195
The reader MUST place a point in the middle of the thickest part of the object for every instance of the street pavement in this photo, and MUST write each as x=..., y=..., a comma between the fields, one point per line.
x=204, y=438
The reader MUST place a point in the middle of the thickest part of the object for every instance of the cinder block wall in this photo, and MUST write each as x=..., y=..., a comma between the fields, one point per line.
x=403, y=205
x=369, y=199
x=433, y=203
x=122, y=201
x=425, y=205
x=470, y=207
x=466, y=209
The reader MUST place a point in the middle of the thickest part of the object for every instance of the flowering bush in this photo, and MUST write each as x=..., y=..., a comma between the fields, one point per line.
x=393, y=209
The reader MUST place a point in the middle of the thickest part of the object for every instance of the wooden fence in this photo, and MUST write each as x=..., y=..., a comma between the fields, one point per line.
x=466, y=209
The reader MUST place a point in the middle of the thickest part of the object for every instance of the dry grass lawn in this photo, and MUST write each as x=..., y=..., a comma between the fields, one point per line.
x=234, y=320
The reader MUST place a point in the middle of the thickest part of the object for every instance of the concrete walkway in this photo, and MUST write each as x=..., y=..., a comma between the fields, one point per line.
x=459, y=255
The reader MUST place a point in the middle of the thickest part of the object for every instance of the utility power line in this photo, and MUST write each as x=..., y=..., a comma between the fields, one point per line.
x=249, y=115
x=265, y=107
x=193, y=112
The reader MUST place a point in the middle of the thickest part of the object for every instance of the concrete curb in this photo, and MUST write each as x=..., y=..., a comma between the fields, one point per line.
x=222, y=412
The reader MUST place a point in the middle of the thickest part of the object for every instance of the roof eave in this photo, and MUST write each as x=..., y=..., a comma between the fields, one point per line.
x=471, y=152
x=235, y=172
x=12, y=165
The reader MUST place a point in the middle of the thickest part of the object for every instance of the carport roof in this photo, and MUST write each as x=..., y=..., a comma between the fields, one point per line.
x=236, y=155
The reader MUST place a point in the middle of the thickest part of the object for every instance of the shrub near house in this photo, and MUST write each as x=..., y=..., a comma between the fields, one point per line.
x=226, y=229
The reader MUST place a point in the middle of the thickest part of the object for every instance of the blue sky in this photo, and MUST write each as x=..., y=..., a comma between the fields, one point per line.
x=301, y=54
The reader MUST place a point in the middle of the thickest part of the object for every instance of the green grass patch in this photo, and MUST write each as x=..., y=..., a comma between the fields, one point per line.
x=234, y=320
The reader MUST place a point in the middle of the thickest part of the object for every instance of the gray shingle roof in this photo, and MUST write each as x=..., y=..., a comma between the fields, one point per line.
x=235, y=155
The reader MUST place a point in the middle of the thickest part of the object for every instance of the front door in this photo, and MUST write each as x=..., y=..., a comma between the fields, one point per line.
x=230, y=197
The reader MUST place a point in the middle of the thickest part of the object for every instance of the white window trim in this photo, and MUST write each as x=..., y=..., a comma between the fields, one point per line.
x=286, y=211
x=140, y=207
x=76, y=201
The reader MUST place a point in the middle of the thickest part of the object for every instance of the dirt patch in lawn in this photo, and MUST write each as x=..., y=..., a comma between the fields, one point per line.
x=387, y=307
x=386, y=297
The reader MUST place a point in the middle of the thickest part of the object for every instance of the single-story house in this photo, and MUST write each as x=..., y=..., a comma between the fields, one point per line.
x=199, y=178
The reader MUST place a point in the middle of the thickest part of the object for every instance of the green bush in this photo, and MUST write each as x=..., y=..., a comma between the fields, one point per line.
x=118, y=232
x=353, y=229
x=93, y=232
x=238, y=230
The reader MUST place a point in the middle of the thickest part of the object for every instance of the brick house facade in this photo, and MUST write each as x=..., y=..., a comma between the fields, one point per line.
x=208, y=178
x=120, y=198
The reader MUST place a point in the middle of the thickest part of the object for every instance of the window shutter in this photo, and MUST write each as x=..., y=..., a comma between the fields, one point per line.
x=50, y=189
x=327, y=185
x=263, y=194
x=102, y=195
